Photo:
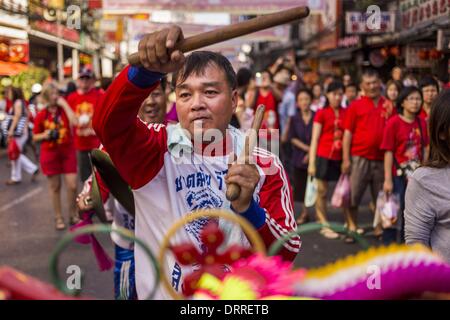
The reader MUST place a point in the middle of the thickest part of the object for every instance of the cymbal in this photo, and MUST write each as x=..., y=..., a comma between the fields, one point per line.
x=96, y=199
x=111, y=177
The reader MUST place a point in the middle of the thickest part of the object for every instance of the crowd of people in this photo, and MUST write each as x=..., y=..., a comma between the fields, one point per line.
x=57, y=126
x=391, y=136
x=371, y=130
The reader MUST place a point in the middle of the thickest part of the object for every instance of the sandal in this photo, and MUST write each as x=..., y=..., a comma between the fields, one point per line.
x=59, y=224
x=302, y=218
x=328, y=233
x=34, y=175
x=11, y=182
x=349, y=239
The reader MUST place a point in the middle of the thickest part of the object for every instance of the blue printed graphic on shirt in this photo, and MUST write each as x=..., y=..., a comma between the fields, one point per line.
x=176, y=276
x=199, y=179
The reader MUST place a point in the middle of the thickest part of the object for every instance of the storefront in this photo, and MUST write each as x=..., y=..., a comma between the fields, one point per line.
x=14, y=44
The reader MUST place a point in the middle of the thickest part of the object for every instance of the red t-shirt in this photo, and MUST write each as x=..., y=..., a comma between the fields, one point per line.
x=330, y=140
x=423, y=114
x=270, y=120
x=83, y=105
x=405, y=139
x=46, y=121
x=8, y=105
x=366, y=122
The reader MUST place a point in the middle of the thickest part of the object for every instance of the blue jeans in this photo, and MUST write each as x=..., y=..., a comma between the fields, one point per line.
x=390, y=234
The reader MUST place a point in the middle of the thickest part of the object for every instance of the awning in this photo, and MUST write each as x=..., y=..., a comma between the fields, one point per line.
x=338, y=54
x=11, y=68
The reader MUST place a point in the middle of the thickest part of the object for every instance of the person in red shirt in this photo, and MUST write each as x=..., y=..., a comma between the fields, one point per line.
x=325, y=154
x=53, y=129
x=83, y=102
x=362, y=156
x=262, y=93
x=405, y=142
x=430, y=90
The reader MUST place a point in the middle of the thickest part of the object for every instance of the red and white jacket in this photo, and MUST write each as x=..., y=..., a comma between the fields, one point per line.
x=165, y=190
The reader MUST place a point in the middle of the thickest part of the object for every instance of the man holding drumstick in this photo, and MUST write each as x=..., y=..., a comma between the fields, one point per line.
x=172, y=174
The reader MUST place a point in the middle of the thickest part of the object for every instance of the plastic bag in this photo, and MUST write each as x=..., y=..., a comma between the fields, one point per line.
x=341, y=194
x=387, y=209
x=13, y=150
x=311, y=192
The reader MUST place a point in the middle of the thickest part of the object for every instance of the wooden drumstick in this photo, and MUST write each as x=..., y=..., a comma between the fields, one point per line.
x=236, y=30
x=233, y=190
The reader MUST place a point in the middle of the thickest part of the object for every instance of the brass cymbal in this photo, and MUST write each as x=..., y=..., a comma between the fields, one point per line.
x=96, y=199
x=111, y=177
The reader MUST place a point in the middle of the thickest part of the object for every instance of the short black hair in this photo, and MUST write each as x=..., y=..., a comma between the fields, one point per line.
x=198, y=61
x=351, y=84
x=243, y=77
x=304, y=90
x=335, y=85
x=369, y=72
x=406, y=91
x=428, y=81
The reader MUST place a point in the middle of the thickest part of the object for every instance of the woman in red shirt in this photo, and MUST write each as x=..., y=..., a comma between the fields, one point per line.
x=405, y=141
x=325, y=154
x=53, y=128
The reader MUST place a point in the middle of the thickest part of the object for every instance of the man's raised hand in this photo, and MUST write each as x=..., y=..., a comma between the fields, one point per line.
x=157, y=53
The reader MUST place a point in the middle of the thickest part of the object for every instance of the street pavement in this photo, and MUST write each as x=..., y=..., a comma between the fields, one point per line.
x=28, y=236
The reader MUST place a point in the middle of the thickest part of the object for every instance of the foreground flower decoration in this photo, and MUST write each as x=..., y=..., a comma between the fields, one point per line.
x=393, y=272
x=211, y=261
x=257, y=277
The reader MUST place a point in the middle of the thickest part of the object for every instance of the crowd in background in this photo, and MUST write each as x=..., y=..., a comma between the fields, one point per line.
x=375, y=132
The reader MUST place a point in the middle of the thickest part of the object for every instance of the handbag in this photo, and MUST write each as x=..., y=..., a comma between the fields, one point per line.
x=13, y=150
x=311, y=192
x=341, y=194
x=387, y=210
x=21, y=125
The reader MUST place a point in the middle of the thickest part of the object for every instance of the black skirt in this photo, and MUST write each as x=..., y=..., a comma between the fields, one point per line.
x=327, y=169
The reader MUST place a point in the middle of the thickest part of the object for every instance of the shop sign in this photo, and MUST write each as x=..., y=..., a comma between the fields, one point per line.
x=365, y=22
x=350, y=41
x=56, y=30
x=415, y=12
x=14, y=50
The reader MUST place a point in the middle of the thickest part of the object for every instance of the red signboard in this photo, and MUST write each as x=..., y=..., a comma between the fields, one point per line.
x=56, y=30
x=95, y=4
x=415, y=12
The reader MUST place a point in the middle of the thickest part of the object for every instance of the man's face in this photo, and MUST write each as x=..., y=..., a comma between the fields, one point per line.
x=205, y=101
x=429, y=94
x=153, y=109
x=85, y=83
x=371, y=86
